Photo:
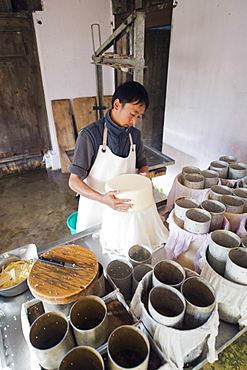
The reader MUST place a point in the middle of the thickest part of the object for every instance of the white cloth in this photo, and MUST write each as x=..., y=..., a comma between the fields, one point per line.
x=242, y=227
x=232, y=183
x=121, y=230
x=231, y=294
x=175, y=344
x=106, y=166
x=179, y=240
x=178, y=190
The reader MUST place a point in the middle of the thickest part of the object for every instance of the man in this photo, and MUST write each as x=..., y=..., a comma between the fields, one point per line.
x=105, y=149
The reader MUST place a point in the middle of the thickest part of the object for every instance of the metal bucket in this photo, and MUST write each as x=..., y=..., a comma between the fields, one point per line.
x=188, y=170
x=217, y=191
x=139, y=254
x=232, y=203
x=194, y=181
x=237, y=170
x=63, y=308
x=128, y=347
x=236, y=266
x=197, y=221
x=138, y=273
x=89, y=320
x=120, y=272
x=82, y=358
x=228, y=158
x=99, y=286
x=182, y=205
x=242, y=193
x=244, y=241
x=217, y=211
x=200, y=301
x=167, y=305
x=221, y=167
x=210, y=178
x=168, y=272
x=51, y=338
x=221, y=241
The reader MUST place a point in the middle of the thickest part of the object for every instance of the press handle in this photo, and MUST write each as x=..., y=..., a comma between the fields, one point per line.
x=51, y=261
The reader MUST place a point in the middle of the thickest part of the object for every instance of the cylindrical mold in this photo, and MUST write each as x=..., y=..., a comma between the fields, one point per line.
x=197, y=221
x=139, y=254
x=51, y=338
x=99, y=286
x=188, y=170
x=200, y=301
x=217, y=191
x=210, y=178
x=236, y=266
x=181, y=206
x=120, y=272
x=63, y=308
x=221, y=167
x=89, y=320
x=228, y=158
x=241, y=193
x=138, y=273
x=244, y=241
x=167, y=305
x=217, y=211
x=167, y=272
x=220, y=243
x=237, y=170
x=245, y=183
x=194, y=181
x=232, y=203
x=82, y=358
x=128, y=347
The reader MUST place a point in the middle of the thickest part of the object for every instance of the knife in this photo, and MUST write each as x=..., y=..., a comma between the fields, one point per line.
x=60, y=263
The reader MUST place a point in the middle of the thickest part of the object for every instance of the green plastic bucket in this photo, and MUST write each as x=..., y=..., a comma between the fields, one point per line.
x=71, y=222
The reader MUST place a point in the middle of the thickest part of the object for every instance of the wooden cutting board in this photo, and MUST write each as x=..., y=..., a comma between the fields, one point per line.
x=60, y=285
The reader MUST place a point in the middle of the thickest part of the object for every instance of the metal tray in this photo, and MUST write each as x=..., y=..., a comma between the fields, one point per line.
x=16, y=354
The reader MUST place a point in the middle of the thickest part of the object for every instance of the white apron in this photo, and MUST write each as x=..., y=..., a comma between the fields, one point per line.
x=106, y=166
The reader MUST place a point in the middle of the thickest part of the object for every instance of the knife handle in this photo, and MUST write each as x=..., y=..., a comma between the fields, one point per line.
x=51, y=261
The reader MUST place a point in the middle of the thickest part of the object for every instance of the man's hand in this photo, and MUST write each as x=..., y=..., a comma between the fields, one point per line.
x=115, y=203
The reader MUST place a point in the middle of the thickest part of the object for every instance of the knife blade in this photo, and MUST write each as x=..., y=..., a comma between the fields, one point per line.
x=60, y=263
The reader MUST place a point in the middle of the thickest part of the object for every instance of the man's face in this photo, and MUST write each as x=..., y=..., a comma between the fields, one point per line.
x=127, y=115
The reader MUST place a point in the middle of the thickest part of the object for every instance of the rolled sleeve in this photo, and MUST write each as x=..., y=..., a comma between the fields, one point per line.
x=83, y=155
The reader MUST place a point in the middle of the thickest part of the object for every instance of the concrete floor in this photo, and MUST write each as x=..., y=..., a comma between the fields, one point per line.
x=34, y=208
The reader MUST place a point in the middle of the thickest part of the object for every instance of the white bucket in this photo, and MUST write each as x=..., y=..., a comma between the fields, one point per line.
x=242, y=193
x=217, y=191
x=188, y=170
x=237, y=170
x=232, y=203
x=181, y=206
x=210, y=178
x=197, y=221
x=220, y=243
x=236, y=265
x=221, y=167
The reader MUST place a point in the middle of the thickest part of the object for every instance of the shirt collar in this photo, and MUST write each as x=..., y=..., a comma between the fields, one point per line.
x=113, y=127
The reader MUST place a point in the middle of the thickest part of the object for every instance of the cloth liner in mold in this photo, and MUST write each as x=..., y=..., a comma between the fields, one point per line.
x=175, y=344
x=179, y=240
x=121, y=230
x=231, y=294
x=232, y=183
x=242, y=228
x=178, y=190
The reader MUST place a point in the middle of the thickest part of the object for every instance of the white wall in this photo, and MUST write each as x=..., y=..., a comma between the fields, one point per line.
x=206, y=105
x=63, y=32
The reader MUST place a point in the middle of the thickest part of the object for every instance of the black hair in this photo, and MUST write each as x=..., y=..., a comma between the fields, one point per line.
x=130, y=92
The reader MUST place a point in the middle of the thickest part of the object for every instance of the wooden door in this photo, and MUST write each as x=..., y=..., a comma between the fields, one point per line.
x=23, y=119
